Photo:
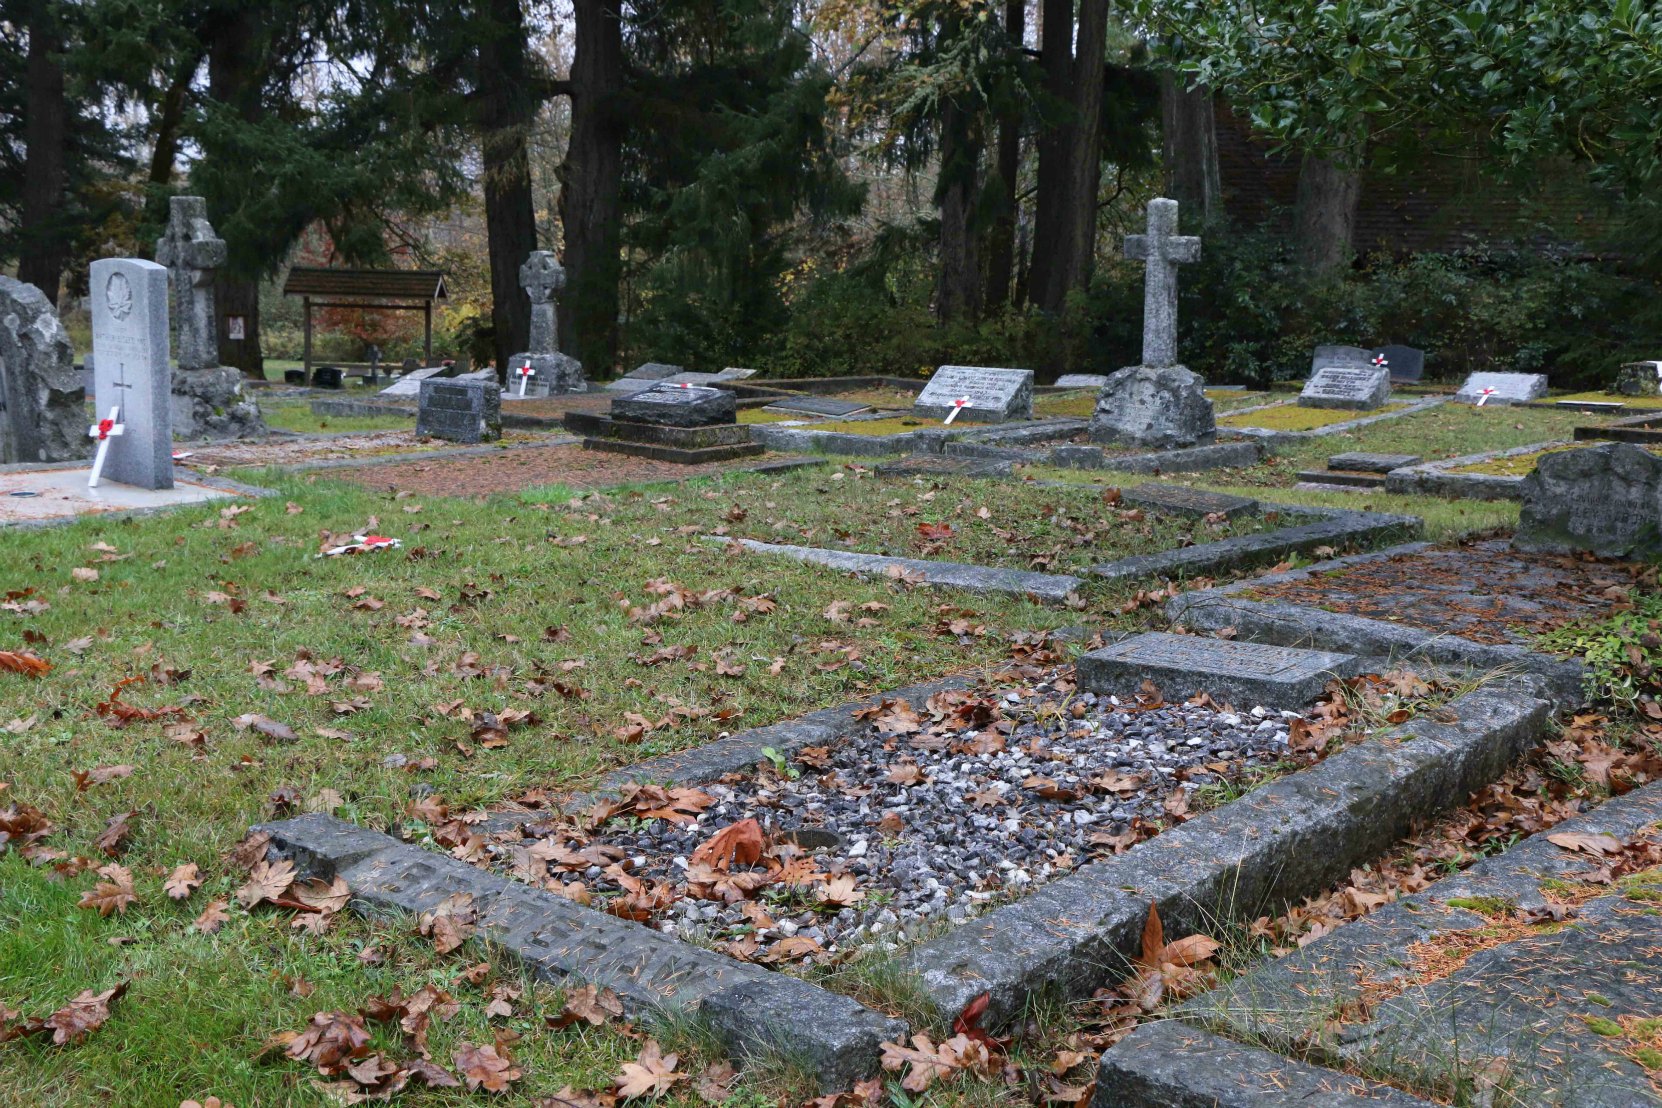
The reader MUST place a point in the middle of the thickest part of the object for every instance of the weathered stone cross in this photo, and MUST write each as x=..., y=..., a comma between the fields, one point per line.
x=541, y=277
x=191, y=252
x=1162, y=250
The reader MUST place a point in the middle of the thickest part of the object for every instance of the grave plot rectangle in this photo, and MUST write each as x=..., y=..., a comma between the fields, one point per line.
x=817, y=405
x=1081, y=380
x=1361, y=388
x=1183, y=501
x=1363, y=462
x=1245, y=674
x=754, y=1010
x=460, y=410
x=677, y=405
x=939, y=465
x=978, y=394
x=131, y=369
x=1488, y=389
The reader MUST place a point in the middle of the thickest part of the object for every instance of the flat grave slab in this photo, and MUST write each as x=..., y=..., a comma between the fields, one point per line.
x=817, y=405
x=1183, y=501
x=409, y=384
x=1245, y=674
x=61, y=494
x=1340, y=479
x=677, y=406
x=1081, y=380
x=1491, y=389
x=1365, y=462
x=987, y=395
x=1483, y=591
x=940, y=465
x=1361, y=388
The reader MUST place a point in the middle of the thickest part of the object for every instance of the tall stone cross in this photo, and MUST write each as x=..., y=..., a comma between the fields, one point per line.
x=541, y=277
x=191, y=252
x=1162, y=250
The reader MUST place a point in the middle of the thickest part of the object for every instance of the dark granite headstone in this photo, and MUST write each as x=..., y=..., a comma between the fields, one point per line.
x=1407, y=364
x=1241, y=673
x=1606, y=500
x=1640, y=379
x=987, y=395
x=460, y=411
x=294, y=377
x=1362, y=388
x=327, y=377
x=677, y=406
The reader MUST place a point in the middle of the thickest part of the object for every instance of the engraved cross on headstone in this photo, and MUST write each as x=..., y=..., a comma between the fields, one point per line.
x=541, y=277
x=1162, y=250
x=191, y=252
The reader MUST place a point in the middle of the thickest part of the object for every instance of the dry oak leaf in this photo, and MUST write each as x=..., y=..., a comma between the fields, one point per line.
x=83, y=1015
x=270, y=728
x=652, y=1074
x=266, y=881
x=741, y=843
x=112, y=894
x=588, y=1004
x=483, y=1068
x=184, y=880
x=16, y=661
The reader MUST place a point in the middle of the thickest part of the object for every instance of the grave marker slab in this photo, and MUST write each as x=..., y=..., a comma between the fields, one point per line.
x=1491, y=389
x=1340, y=357
x=131, y=370
x=1363, y=462
x=410, y=383
x=979, y=394
x=543, y=370
x=1184, y=501
x=1361, y=388
x=818, y=405
x=1406, y=363
x=1081, y=380
x=1244, y=674
x=939, y=465
x=460, y=411
x=1603, y=499
x=677, y=406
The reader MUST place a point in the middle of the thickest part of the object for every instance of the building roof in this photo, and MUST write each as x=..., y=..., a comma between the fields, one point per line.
x=366, y=284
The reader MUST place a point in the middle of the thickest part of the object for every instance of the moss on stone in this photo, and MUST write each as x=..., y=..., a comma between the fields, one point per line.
x=1292, y=417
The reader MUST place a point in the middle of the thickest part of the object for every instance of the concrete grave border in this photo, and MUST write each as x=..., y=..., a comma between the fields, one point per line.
x=755, y=1012
x=223, y=484
x=925, y=440
x=1276, y=1004
x=1271, y=435
x=1439, y=478
x=1192, y=459
x=1278, y=844
x=1285, y=624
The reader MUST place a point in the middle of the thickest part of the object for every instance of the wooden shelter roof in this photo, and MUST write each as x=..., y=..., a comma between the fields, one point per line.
x=366, y=284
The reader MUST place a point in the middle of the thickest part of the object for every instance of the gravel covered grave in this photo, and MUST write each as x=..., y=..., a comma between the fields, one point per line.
x=922, y=817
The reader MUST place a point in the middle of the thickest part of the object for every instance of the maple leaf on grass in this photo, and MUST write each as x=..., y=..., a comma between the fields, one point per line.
x=332, y=1041
x=968, y=1024
x=85, y=1014
x=450, y=924
x=589, y=1005
x=483, y=1068
x=213, y=917
x=184, y=880
x=650, y=1075
x=113, y=842
x=924, y=1062
x=741, y=843
x=266, y=881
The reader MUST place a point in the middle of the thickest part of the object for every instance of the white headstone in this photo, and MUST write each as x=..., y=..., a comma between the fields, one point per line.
x=1361, y=387
x=130, y=368
x=976, y=394
x=1488, y=389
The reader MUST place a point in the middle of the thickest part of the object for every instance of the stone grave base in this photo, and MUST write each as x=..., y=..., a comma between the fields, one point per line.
x=60, y=495
x=1441, y=478
x=1642, y=430
x=661, y=442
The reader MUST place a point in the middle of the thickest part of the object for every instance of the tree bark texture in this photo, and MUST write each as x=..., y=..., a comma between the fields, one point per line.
x=507, y=113
x=1085, y=161
x=46, y=244
x=1047, y=275
x=1190, y=150
x=590, y=183
x=1001, y=239
x=958, y=283
x=236, y=76
x=1324, y=218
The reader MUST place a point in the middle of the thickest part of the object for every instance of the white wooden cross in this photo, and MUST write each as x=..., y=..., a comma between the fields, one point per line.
x=957, y=406
x=102, y=431
x=525, y=374
x=1484, y=396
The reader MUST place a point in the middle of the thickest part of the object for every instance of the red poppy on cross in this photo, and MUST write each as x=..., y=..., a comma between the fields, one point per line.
x=525, y=374
x=1486, y=394
x=957, y=406
x=102, y=430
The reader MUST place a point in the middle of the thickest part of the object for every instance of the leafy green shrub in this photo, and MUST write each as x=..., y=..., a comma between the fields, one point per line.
x=1623, y=652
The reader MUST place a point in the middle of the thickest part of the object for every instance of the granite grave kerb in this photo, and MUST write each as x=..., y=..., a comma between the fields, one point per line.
x=1246, y=674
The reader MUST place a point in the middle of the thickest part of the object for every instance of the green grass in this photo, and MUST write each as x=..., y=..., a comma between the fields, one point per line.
x=200, y=1007
x=1291, y=417
x=299, y=417
x=1053, y=530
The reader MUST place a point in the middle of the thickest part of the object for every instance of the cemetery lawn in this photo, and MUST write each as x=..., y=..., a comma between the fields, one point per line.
x=957, y=519
x=606, y=619
x=299, y=418
x=1291, y=417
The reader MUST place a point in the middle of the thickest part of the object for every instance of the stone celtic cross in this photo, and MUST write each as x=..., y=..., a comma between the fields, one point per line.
x=541, y=277
x=1162, y=250
x=191, y=252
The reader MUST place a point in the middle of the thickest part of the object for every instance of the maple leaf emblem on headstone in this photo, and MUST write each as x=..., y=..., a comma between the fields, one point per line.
x=118, y=294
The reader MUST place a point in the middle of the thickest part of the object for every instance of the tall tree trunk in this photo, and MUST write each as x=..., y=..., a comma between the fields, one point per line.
x=1048, y=273
x=235, y=79
x=507, y=112
x=958, y=287
x=46, y=246
x=165, y=153
x=1001, y=240
x=1085, y=162
x=1190, y=150
x=590, y=183
x=1324, y=218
